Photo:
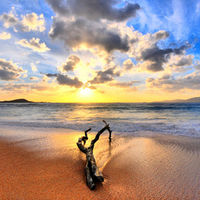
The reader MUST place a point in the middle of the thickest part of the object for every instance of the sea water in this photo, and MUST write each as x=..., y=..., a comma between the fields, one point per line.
x=124, y=118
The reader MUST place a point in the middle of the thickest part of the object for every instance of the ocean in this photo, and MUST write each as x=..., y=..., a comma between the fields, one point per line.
x=135, y=119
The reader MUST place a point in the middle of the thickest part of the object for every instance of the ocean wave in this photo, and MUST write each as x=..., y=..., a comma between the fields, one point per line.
x=126, y=118
x=190, y=130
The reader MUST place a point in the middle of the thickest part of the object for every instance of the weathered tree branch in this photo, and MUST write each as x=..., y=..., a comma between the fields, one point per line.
x=92, y=171
x=110, y=132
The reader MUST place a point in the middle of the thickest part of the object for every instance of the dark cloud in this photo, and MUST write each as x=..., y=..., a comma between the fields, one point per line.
x=158, y=57
x=161, y=35
x=66, y=80
x=101, y=9
x=94, y=34
x=8, y=75
x=104, y=76
x=79, y=22
x=51, y=75
x=69, y=65
x=94, y=9
x=9, y=71
x=182, y=48
x=154, y=53
x=59, y=6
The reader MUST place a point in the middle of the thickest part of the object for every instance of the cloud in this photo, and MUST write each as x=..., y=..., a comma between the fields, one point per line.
x=89, y=23
x=66, y=80
x=13, y=87
x=34, y=44
x=94, y=10
x=70, y=64
x=27, y=87
x=128, y=65
x=158, y=57
x=154, y=57
x=34, y=22
x=5, y=36
x=33, y=67
x=180, y=63
x=92, y=34
x=29, y=22
x=197, y=65
x=168, y=83
x=33, y=78
x=104, y=76
x=9, y=71
x=142, y=43
x=59, y=6
x=183, y=61
x=51, y=75
x=39, y=87
x=9, y=20
x=106, y=10
x=160, y=35
x=123, y=84
x=24, y=75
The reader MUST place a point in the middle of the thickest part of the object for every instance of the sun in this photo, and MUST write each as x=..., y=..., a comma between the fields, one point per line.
x=85, y=91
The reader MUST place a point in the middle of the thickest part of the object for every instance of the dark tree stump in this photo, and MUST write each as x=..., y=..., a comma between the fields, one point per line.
x=92, y=171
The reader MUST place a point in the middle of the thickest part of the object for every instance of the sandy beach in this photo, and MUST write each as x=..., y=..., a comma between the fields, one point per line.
x=159, y=167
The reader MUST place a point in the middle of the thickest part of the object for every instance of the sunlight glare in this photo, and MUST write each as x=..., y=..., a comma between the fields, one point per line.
x=85, y=91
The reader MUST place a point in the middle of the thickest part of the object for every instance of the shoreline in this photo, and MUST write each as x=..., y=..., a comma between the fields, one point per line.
x=159, y=167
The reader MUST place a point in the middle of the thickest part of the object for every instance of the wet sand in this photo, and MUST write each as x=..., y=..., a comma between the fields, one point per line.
x=160, y=167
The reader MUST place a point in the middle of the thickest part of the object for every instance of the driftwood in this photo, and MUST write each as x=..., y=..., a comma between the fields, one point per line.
x=92, y=171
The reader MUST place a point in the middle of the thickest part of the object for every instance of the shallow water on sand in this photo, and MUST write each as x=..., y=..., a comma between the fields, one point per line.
x=156, y=168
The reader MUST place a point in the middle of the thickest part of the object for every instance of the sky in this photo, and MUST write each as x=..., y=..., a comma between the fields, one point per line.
x=99, y=51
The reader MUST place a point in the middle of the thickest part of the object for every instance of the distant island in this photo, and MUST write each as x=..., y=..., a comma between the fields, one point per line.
x=191, y=100
x=17, y=101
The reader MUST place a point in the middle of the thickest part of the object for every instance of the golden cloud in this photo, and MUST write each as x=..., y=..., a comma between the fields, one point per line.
x=5, y=36
x=34, y=44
